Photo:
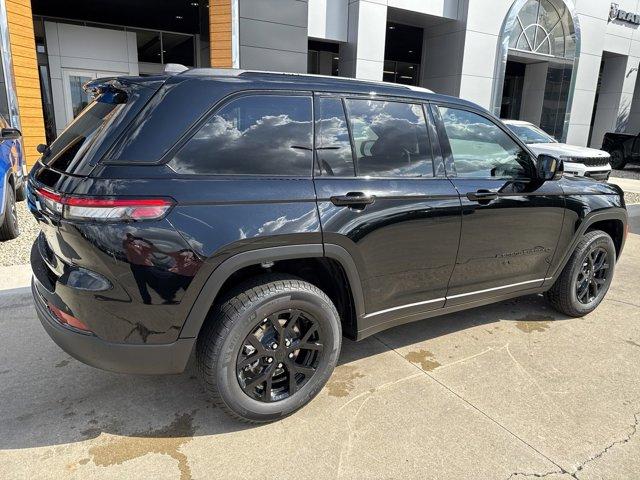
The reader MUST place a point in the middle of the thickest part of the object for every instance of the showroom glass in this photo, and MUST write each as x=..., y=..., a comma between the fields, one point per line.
x=333, y=147
x=252, y=135
x=482, y=149
x=545, y=27
x=79, y=98
x=390, y=139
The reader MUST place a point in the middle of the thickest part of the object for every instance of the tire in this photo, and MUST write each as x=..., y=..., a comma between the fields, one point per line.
x=564, y=295
x=9, y=228
x=617, y=160
x=21, y=193
x=223, y=350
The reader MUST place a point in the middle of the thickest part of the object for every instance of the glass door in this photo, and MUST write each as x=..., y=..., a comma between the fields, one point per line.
x=75, y=97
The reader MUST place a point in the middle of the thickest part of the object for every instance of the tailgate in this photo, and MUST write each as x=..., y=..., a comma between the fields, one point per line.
x=68, y=163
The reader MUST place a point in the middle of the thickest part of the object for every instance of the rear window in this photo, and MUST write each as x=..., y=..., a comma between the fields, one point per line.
x=71, y=147
x=252, y=135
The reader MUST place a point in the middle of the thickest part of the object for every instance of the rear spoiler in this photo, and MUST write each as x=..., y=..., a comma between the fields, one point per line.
x=118, y=88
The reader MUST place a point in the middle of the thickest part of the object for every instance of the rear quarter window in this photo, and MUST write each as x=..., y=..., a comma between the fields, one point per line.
x=252, y=135
x=70, y=148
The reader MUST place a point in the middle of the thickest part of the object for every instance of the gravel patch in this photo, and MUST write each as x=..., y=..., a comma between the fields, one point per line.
x=16, y=252
x=631, y=198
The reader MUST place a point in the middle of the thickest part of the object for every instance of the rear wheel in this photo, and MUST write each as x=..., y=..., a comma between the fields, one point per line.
x=9, y=228
x=586, y=278
x=21, y=193
x=269, y=349
x=617, y=160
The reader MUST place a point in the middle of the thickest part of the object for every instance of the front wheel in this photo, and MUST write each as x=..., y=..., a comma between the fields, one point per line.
x=617, y=160
x=269, y=349
x=586, y=278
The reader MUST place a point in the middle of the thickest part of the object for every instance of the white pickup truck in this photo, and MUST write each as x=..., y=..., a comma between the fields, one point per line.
x=580, y=161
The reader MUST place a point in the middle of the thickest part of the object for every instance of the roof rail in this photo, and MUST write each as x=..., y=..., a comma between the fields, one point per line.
x=236, y=72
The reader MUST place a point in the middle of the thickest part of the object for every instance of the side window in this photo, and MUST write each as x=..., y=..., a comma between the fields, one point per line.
x=482, y=149
x=333, y=147
x=390, y=138
x=252, y=135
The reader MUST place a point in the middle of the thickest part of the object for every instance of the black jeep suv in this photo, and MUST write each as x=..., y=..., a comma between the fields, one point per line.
x=259, y=217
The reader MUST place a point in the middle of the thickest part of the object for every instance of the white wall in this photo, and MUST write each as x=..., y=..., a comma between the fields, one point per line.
x=600, y=35
x=328, y=19
x=363, y=54
x=79, y=48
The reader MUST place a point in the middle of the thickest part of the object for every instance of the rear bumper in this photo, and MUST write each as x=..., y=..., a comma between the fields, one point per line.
x=115, y=357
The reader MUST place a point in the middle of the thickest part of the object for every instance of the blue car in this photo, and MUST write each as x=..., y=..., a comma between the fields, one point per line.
x=12, y=179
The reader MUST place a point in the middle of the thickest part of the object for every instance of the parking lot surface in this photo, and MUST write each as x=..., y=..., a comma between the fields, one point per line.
x=511, y=390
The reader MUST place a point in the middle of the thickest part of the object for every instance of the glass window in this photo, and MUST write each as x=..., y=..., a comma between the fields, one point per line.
x=79, y=98
x=69, y=148
x=546, y=27
x=333, y=147
x=148, y=44
x=253, y=135
x=390, y=139
x=178, y=49
x=530, y=134
x=482, y=149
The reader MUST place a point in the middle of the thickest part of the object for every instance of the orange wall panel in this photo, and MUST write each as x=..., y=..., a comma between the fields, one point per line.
x=220, y=33
x=25, y=70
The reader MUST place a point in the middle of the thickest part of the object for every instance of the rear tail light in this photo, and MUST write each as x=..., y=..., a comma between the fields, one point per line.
x=67, y=319
x=104, y=209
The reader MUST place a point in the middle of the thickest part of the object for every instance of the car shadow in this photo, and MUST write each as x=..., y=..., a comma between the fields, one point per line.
x=69, y=402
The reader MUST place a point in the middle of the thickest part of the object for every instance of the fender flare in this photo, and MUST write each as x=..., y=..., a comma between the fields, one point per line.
x=198, y=313
x=591, y=218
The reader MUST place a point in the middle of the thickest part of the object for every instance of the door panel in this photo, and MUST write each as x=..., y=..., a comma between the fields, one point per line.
x=511, y=221
x=404, y=244
x=506, y=241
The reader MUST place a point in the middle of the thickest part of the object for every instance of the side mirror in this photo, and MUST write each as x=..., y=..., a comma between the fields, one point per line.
x=549, y=168
x=10, y=134
x=42, y=148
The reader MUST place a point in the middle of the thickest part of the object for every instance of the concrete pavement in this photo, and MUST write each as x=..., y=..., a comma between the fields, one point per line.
x=627, y=184
x=512, y=390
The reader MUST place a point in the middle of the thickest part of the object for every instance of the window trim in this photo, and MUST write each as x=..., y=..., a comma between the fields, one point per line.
x=222, y=103
x=445, y=145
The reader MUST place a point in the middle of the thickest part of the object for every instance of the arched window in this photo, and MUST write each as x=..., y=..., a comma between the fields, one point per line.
x=544, y=27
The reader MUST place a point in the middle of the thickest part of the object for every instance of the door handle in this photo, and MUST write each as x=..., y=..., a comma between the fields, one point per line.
x=352, y=199
x=482, y=196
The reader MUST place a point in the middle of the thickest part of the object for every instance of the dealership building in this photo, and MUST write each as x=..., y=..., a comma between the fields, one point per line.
x=569, y=66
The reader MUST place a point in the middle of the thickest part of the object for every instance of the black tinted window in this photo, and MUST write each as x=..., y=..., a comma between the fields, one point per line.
x=333, y=147
x=390, y=139
x=481, y=149
x=68, y=150
x=253, y=135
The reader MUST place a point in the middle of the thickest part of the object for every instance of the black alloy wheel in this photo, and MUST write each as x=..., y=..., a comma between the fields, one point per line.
x=269, y=347
x=593, y=275
x=587, y=276
x=280, y=355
